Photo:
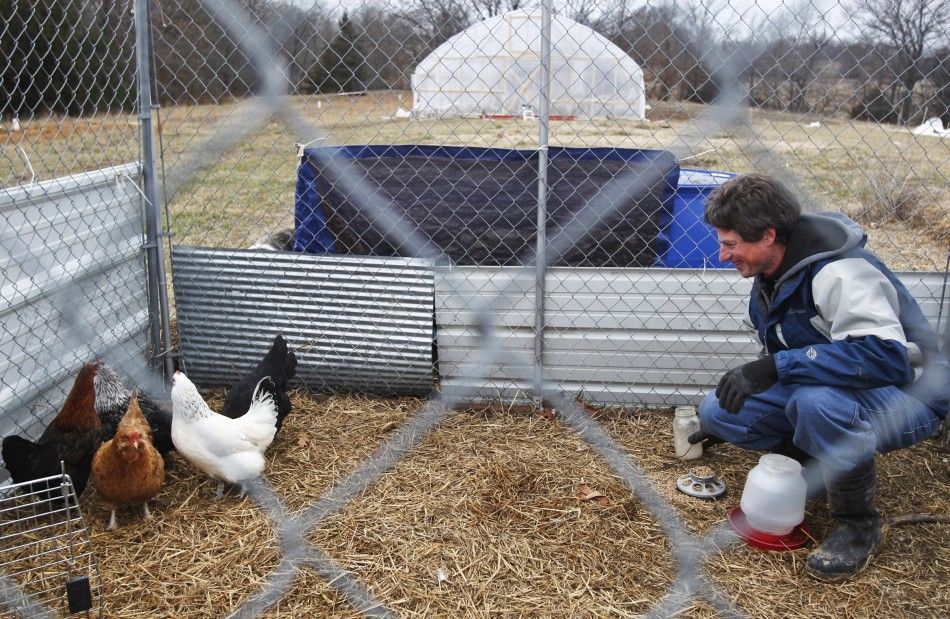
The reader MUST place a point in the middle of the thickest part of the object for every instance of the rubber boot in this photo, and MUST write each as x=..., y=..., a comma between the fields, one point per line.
x=814, y=479
x=701, y=436
x=848, y=549
x=793, y=451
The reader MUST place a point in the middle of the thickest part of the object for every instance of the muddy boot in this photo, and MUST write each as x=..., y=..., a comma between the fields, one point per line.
x=848, y=549
x=814, y=479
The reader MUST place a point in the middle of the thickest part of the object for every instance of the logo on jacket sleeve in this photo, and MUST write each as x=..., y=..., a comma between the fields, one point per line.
x=811, y=353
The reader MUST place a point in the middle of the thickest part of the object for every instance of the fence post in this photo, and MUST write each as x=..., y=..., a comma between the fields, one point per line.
x=541, y=262
x=155, y=259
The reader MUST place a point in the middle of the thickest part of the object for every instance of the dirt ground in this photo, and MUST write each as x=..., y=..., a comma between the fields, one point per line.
x=498, y=511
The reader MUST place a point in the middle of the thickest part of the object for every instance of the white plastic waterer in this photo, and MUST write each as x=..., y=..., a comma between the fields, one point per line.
x=773, y=499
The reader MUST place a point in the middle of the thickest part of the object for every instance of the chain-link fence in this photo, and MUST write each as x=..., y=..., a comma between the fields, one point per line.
x=71, y=205
x=462, y=199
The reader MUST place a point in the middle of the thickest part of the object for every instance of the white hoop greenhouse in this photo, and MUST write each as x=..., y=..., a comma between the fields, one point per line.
x=494, y=68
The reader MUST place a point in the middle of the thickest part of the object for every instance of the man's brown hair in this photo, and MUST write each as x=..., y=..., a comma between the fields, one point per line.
x=751, y=204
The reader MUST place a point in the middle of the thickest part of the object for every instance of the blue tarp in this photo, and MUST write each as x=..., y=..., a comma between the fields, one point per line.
x=310, y=222
x=689, y=240
x=477, y=205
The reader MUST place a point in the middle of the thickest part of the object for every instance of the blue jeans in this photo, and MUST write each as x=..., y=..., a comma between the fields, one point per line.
x=841, y=428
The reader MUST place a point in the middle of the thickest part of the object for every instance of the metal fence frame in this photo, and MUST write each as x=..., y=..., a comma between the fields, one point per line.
x=94, y=268
x=533, y=290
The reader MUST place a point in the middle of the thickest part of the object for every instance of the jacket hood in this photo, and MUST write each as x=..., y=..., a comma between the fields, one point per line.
x=818, y=236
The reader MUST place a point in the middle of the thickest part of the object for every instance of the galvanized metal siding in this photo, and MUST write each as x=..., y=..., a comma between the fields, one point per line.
x=69, y=243
x=614, y=336
x=356, y=323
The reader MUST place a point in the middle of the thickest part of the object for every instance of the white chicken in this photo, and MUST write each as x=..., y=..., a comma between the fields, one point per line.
x=231, y=450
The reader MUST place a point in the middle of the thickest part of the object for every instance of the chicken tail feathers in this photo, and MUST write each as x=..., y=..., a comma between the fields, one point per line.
x=279, y=366
x=290, y=370
x=265, y=391
x=259, y=423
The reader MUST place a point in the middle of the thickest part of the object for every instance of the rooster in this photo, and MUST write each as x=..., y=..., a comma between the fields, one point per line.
x=280, y=364
x=73, y=438
x=127, y=468
x=112, y=402
x=228, y=449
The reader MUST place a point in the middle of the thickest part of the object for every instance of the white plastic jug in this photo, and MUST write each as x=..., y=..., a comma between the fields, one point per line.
x=773, y=499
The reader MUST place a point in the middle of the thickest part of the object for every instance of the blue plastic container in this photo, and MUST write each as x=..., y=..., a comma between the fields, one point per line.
x=691, y=242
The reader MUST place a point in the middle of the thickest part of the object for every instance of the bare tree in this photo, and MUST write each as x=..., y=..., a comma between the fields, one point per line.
x=391, y=45
x=799, y=53
x=752, y=54
x=909, y=27
x=939, y=73
x=605, y=17
x=311, y=34
x=586, y=12
x=651, y=36
x=484, y=9
x=707, y=24
x=434, y=21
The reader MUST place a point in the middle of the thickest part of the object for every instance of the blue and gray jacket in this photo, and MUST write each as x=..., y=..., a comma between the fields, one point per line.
x=835, y=315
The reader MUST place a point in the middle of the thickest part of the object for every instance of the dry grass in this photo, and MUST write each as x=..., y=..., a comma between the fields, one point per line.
x=483, y=518
x=57, y=146
x=233, y=201
x=894, y=194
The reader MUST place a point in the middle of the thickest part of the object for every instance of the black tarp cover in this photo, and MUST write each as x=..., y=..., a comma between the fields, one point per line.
x=478, y=206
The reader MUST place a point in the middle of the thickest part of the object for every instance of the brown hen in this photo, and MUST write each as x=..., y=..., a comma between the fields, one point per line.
x=73, y=437
x=127, y=469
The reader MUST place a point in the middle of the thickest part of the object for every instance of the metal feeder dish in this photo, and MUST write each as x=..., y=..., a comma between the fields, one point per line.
x=701, y=482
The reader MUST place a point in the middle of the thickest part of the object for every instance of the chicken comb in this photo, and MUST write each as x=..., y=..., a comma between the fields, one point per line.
x=134, y=418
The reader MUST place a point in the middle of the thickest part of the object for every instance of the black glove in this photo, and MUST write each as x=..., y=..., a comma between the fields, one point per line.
x=739, y=383
x=708, y=440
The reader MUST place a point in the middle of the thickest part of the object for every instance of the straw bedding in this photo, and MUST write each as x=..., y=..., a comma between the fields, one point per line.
x=498, y=512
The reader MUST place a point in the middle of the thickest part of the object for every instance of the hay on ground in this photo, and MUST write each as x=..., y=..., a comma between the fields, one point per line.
x=498, y=512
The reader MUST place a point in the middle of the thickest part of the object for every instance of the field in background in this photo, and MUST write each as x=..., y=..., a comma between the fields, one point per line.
x=889, y=179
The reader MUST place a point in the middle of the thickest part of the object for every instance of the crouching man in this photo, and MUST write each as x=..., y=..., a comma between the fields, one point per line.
x=849, y=367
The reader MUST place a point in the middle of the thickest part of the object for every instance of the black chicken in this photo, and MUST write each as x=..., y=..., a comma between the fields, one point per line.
x=112, y=401
x=280, y=363
x=73, y=437
x=27, y=460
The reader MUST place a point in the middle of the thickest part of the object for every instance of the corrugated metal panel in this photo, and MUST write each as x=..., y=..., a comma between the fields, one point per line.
x=356, y=323
x=614, y=336
x=79, y=236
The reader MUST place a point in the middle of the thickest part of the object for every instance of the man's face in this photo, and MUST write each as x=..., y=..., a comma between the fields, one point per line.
x=749, y=257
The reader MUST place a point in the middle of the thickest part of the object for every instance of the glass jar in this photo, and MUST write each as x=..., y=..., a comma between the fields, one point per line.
x=685, y=422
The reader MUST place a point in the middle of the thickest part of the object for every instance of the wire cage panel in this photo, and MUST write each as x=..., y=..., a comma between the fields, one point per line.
x=47, y=560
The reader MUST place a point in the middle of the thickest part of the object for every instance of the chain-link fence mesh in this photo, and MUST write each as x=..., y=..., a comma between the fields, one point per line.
x=68, y=89
x=547, y=161
x=71, y=210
